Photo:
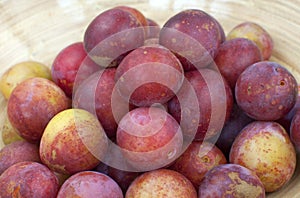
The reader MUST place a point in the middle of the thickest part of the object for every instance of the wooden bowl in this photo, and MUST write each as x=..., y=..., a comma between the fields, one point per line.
x=39, y=29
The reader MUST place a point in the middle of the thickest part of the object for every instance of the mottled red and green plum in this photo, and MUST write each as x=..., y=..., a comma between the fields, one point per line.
x=73, y=141
x=265, y=148
x=32, y=104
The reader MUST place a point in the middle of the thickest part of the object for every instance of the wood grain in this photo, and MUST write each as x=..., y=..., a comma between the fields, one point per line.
x=39, y=29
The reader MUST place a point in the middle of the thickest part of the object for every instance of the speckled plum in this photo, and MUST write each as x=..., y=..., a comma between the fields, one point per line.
x=194, y=36
x=265, y=148
x=266, y=91
x=73, y=141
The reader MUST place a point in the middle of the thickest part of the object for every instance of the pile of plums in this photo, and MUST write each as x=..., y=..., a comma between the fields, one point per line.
x=139, y=110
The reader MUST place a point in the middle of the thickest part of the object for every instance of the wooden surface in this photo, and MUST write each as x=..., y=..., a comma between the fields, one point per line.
x=39, y=29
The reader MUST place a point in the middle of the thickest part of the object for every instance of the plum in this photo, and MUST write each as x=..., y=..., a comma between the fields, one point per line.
x=150, y=138
x=295, y=130
x=9, y=134
x=88, y=184
x=194, y=36
x=18, y=151
x=197, y=159
x=28, y=179
x=257, y=34
x=266, y=91
x=32, y=104
x=237, y=121
x=73, y=141
x=231, y=180
x=98, y=95
x=108, y=44
x=20, y=72
x=161, y=183
x=265, y=148
x=234, y=56
x=203, y=104
x=148, y=75
x=66, y=67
